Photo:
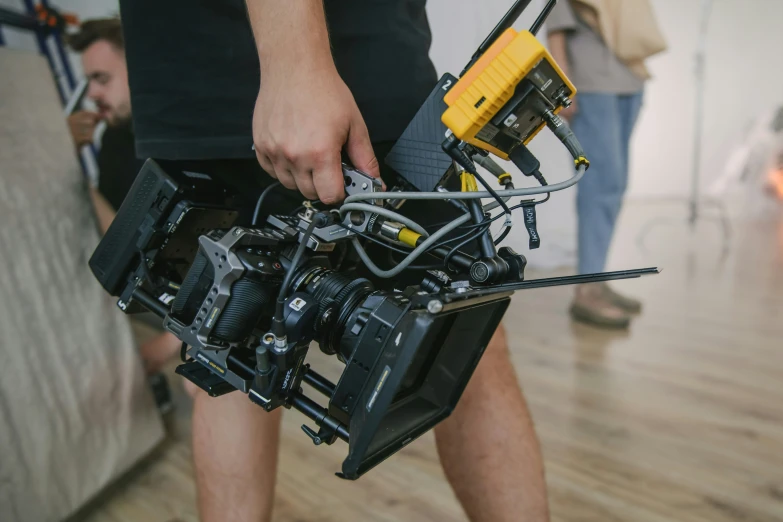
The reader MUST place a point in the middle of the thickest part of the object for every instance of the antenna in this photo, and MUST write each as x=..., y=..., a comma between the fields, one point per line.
x=507, y=21
x=542, y=17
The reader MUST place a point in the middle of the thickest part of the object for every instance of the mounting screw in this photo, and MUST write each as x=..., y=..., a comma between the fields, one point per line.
x=434, y=306
x=237, y=231
x=312, y=434
x=364, y=186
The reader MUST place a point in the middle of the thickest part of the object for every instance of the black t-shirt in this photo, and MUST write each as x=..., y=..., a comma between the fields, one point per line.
x=194, y=71
x=117, y=164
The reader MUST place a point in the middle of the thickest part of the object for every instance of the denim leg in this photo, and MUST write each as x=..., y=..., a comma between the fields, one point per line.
x=630, y=105
x=599, y=194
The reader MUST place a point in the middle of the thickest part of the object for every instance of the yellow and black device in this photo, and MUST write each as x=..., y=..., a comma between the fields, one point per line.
x=504, y=95
x=510, y=89
x=501, y=100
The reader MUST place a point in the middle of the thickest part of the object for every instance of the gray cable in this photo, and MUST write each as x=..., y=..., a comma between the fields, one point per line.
x=531, y=191
x=419, y=250
x=364, y=207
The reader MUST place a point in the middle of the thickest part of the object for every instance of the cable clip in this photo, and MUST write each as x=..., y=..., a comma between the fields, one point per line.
x=581, y=160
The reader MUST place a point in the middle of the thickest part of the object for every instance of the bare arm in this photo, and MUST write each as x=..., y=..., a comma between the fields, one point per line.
x=305, y=114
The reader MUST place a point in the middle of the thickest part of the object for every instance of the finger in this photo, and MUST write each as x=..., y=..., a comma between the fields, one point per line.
x=284, y=174
x=87, y=117
x=304, y=183
x=266, y=163
x=328, y=179
x=359, y=148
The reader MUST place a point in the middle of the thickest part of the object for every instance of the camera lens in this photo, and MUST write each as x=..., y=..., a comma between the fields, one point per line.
x=338, y=296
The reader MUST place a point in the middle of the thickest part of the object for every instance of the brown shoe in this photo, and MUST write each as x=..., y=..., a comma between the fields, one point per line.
x=628, y=304
x=591, y=306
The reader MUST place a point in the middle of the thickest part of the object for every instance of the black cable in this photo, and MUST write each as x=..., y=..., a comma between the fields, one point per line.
x=475, y=225
x=295, y=261
x=465, y=242
x=490, y=190
x=279, y=325
x=502, y=235
x=445, y=242
x=451, y=147
x=471, y=231
x=434, y=266
x=392, y=248
x=495, y=218
x=261, y=200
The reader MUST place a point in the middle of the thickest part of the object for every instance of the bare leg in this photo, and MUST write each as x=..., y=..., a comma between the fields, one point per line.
x=235, y=447
x=488, y=447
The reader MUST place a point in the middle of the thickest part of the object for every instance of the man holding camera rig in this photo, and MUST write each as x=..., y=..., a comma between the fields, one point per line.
x=194, y=75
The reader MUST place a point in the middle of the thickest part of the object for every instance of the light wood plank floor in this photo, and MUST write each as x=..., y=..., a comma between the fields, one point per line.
x=679, y=419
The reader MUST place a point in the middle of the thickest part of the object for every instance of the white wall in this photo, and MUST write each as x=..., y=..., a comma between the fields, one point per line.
x=743, y=80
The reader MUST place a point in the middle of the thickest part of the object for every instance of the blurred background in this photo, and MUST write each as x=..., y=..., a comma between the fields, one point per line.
x=677, y=417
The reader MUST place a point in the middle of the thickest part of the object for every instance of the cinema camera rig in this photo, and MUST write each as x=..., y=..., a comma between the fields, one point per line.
x=247, y=299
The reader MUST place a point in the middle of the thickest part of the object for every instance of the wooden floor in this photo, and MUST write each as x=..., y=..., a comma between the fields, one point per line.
x=679, y=419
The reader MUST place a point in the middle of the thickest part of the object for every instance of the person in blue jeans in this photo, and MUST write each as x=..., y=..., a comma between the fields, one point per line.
x=603, y=115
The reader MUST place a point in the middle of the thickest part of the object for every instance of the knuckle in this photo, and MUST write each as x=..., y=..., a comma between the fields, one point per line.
x=288, y=152
x=288, y=182
x=319, y=153
x=331, y=198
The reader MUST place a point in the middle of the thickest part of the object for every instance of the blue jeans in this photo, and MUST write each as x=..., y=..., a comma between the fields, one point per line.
x=603, y=124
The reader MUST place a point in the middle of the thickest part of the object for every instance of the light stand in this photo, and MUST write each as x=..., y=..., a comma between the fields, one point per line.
x=697, y=204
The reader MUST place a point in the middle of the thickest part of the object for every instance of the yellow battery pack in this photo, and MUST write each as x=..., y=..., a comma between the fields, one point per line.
x=499, y=102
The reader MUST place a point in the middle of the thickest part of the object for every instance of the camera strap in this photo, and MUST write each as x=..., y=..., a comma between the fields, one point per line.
x=530, y=223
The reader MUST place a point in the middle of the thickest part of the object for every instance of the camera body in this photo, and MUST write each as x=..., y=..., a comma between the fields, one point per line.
x=180, y=248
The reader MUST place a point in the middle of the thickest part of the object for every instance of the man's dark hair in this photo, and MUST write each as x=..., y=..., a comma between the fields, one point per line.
x=91, y=31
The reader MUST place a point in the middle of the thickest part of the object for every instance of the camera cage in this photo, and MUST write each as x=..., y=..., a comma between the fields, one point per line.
x=438, y=333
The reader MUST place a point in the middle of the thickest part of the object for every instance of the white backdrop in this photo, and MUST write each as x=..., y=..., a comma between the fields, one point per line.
x=743, y=80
